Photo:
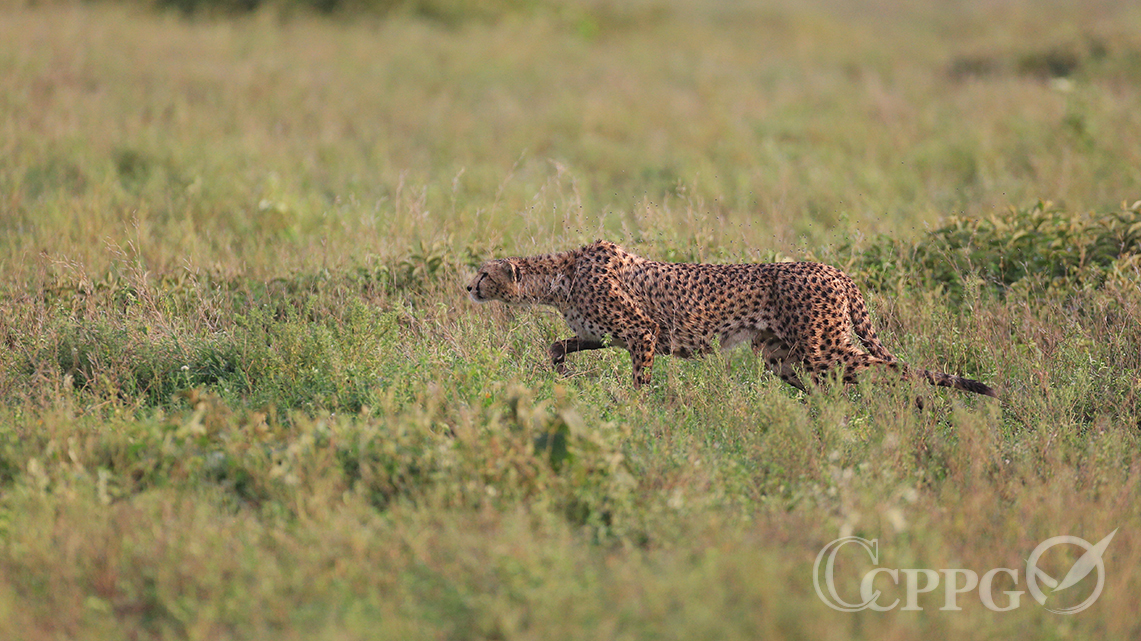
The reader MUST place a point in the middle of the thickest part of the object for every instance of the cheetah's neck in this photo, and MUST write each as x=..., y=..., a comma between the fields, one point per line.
x=546, y=279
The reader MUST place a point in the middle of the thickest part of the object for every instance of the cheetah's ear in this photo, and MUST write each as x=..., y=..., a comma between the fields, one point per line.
x=514, y=271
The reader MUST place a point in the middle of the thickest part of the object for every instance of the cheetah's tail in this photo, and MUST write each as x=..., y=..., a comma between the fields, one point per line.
x=862, y=324
x=949, y=380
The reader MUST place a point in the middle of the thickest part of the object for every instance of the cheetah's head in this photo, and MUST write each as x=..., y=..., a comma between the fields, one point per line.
x=496, y=280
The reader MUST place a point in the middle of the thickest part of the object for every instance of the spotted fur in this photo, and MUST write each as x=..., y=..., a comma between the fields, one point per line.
x=799, y=317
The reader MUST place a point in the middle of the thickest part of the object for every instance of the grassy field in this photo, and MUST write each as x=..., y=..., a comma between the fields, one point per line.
x=243, y=394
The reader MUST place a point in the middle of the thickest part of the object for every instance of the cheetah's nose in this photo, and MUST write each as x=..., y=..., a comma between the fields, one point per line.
x=469, y=288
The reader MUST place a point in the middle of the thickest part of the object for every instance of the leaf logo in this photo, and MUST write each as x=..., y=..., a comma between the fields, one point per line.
x=1091, y=560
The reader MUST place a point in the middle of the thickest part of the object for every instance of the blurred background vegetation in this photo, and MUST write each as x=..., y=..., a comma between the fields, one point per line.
x=777, y=126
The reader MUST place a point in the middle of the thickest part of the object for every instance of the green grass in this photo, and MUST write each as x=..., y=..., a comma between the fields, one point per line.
x=243, y=394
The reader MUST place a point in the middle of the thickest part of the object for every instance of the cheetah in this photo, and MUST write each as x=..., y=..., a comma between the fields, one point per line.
x=798, y=316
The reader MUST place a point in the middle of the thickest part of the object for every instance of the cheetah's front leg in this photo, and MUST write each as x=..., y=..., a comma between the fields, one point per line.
x=641, y=346
x=560, y=349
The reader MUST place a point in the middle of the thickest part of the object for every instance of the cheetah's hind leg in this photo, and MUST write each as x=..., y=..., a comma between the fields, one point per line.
x=775, y=353
x=559, y=350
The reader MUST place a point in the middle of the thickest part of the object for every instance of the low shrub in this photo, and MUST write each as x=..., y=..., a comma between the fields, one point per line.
x=1040, y=246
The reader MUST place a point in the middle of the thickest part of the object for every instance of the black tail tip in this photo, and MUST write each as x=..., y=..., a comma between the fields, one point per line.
x=979, y=388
